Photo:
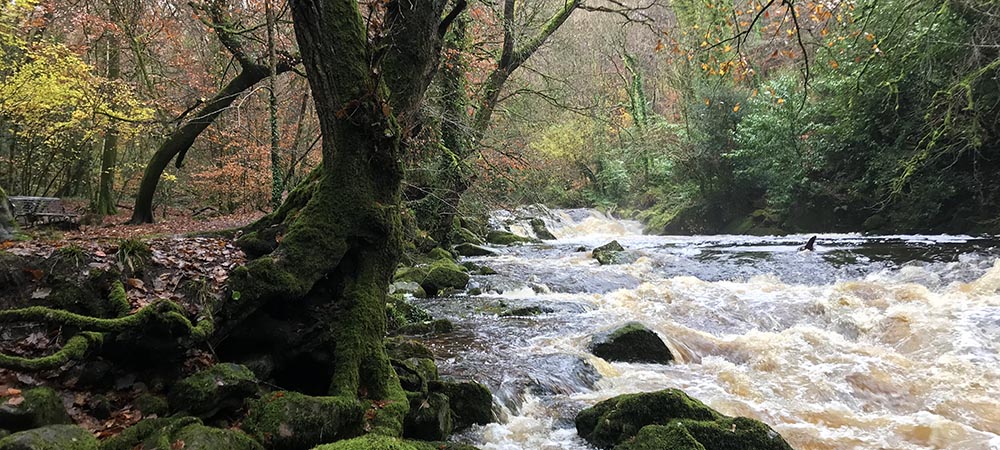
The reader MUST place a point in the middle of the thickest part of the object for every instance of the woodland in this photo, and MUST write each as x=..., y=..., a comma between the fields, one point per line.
x=247, y=178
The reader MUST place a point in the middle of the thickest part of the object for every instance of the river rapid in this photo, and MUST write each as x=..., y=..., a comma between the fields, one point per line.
x=869, y=342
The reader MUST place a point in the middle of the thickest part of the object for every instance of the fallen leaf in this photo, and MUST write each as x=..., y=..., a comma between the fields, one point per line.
x=14, y=401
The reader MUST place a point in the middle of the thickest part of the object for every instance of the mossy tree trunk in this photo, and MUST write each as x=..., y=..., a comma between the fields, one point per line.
x=339, y=240
x=106, y=204
x=6, y=217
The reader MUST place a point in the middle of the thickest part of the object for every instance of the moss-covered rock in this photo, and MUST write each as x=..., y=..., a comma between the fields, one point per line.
x=435, y=277
x=378, y=442
x=402, y=348
x=467, y=249
x=429, y=418
x=152, y=405
x=538, y=226
x=471, y=403
x=52, y=437
x=221, y=388
x=41, y=407
x=293, y=421
x=631, y=343
x=415, y=373
x=401, y=313
x=618, y=422
x=438, y=253
x=500, y=237
x=464, y=235
x=526, y=311
x=200, y=437
x=179, y=432
x=609, y=253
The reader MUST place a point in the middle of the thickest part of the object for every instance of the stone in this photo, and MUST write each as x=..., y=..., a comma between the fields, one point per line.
x=471, y=403
x=221, y=388
x=287, y=420
x=179, y=432
x=499, y=237
x=538, y=226
x=436, y=277
x=52, y=437
x=671, y=419
x=527, y=311
x=467, y=249
x=631, y=343
x=41, y=406
x=429, y=418
x=379, y=442
x=608, y=253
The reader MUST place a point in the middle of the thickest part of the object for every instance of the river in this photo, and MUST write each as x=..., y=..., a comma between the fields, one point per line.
x=869, y=342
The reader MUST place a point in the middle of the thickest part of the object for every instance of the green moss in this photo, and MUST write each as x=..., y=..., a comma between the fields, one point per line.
x=41, y=406
x=466, y=236
x=415, y=374
x=538, y=226
x=402, y=348
x=435, y=278
x=471, y=403
x=620, y=419
x=439, y=253
x=222, y=387
x=118, y=300
x=293, y=421
x=53, y=437
x=178, y=432
x=200, y=437
x=498, y=237
x=467, y=249
x=152, y=405
x=74, y=349
x=376, y=442
x=674, y=436
x=608, y=253
x=429, y=418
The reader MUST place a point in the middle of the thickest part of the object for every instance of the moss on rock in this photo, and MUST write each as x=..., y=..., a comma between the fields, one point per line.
x=500, y=237
x=52, y=437
x=471, y=403
x=617, y=422
x=464, y=235
x=201, y=437
x=435, y=277
x=41, y=407
x=608, y=253
x=179, y=432
x=467, y=249
x=429, y=418
x=377, y=442
x=152, y=405
x=538, y=226
x=221, y=388
x=293, y=421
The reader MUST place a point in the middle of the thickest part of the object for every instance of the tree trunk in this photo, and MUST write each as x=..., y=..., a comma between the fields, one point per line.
x=106, y=191
x=181, y=140
x=337, y=253
x=277, y=185
x=6, y=218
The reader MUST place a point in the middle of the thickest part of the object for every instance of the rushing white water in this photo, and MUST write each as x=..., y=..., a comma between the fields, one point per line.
x=884, y=342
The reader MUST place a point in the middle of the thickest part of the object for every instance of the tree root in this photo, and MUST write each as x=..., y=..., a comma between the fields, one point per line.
x=94, y=329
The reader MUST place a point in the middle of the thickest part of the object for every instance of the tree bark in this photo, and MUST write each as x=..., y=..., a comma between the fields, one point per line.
x=109, y=156
x=339, y=249
x=6, y=218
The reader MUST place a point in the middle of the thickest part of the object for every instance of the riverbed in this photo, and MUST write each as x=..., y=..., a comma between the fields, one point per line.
x=868, y=342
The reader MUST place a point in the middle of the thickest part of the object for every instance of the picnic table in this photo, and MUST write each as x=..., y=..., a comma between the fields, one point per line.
x=34, y=210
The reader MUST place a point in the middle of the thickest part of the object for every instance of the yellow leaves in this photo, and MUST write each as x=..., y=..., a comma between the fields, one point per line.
x=659, y=46
x=834, y=64
x=708, y=102
x=869, y=37
x=736, y=108
x=727, y=48
x=780, y=101
x=824, y=32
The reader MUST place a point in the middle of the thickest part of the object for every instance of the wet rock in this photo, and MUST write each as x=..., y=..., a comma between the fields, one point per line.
x=41, y=407
x=429, y=418
x=526, y=311
x=581, y=248
x=201, y=437
x=52, y=437
x=402, y=348
x=415, y=374
x=435, y=277
x=221, y=388
x=401, y=313
x=471, y=403
x=473, y=250
x=379, y=442
x=631, y=343
x=499, y=237
x=288, y=420
x=538, y=226
x=670, y=419
x=404, y=287
x=466, y=236
x=608, y=253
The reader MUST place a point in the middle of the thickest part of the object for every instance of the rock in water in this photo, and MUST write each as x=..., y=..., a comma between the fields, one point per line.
x=670, y=419
x=538, y=226
x=498, y=237
x=467, y=249
x=631, y=343
x=809, y=245
x=608, y=253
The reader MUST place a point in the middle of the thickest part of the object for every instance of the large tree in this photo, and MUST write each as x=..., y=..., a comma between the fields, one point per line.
x=335, y=255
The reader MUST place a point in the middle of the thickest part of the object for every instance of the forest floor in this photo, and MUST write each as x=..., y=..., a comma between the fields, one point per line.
x=182, y=249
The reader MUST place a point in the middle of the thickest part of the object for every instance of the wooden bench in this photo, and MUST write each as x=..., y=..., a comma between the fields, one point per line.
x=34, y=210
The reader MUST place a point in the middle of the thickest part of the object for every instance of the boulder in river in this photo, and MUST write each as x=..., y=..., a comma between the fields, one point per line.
x=608, y=253
x=288, y=420
x=52, y=437
x=500, y=237
x=631, y=343
x=538, y=226
x=670, y=419
x=435, y=277
x=471, y=403
x=467, y=249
